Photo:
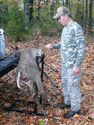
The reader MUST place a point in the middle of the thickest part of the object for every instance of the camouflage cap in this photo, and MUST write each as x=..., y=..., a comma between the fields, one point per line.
x=61, y=11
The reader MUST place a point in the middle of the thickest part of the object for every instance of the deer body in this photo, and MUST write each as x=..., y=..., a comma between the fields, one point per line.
x=28, y=73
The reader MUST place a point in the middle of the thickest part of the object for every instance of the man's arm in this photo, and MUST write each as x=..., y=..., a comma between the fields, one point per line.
x=80, y=47
x=79, y=37
x=55, y=46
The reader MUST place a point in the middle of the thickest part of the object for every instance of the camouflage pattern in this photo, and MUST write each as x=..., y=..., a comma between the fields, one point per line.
x=72, y=48
x=72, y=45
x=61, y=11
x=71, y=88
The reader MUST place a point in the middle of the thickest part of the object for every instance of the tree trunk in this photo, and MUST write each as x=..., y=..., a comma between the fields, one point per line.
x=66, y=4
x=86, y=16
x=31, y=9
x=90, y=15
x=27, y=12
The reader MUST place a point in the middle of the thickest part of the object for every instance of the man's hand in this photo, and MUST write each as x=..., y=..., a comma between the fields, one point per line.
x=76, y=70
x=49, y=46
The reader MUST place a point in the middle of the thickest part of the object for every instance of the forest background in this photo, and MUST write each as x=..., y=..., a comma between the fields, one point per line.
x=29, y=23
x=22, y=19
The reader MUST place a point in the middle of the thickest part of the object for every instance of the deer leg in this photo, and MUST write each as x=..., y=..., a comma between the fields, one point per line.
x=37, y=101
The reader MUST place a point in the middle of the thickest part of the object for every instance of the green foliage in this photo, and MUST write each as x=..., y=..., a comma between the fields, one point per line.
x=76, y=10
x=42, y=122
x=15, y=26
x=3, y=13
x=12, y=18
x=50, y=28
x=44, y=19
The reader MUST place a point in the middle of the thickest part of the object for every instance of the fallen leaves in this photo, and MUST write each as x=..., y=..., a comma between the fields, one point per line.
x=9, y=90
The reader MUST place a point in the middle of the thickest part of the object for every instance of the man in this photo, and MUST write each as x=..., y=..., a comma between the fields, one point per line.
x=72, y=46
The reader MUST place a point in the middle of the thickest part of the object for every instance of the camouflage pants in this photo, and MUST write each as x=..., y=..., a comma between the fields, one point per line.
x=71, y=88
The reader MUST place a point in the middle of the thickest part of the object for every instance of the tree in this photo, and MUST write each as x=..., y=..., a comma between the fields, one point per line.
x=27, y=12
x=31, y=9
x=90, y=15
x=86, y=16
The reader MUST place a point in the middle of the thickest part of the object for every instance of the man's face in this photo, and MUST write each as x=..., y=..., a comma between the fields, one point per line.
x=63, y=19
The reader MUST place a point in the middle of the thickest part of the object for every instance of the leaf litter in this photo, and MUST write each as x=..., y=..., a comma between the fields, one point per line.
x=55, y=116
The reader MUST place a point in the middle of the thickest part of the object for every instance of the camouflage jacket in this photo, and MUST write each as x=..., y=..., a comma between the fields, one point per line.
x=72, y=45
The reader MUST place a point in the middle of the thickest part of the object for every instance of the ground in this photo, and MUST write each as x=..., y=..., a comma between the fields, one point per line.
x=55, y=116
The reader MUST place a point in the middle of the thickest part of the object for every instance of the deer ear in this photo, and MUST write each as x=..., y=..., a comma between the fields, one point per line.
x=16, y=48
